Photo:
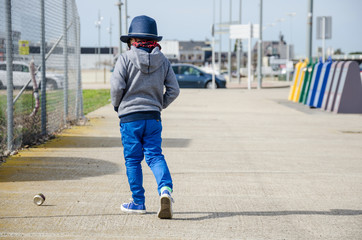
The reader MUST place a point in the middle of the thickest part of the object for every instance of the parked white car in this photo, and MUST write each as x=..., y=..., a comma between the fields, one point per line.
x=21, y=75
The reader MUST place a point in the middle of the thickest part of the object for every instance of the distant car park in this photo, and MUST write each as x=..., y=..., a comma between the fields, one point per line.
x=190, y=76
x=21, y=75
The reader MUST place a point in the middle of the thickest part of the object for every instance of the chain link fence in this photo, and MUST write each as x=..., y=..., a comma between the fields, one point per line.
x=40, y=77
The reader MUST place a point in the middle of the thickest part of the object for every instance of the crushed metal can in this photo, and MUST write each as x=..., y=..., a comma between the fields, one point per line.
x=39, y=199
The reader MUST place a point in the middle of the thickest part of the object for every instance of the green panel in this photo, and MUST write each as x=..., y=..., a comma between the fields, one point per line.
x=304, y=97
x=309, y=71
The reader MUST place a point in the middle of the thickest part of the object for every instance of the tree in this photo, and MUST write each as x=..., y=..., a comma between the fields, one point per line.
x=355, y=53
x=338, y=52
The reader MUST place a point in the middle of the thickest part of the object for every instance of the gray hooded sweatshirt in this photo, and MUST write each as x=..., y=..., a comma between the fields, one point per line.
x=143, y=81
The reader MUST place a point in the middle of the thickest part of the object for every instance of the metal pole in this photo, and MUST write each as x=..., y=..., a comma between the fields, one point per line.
x=80, y=94
x=309, y=29
x=43, y=71
x=126, y=17
x=213, y=46
x=286, y=65
x=220, y=40
x=9, y=76
x=77, y=54
x=260, y=45
x=65, y=55
x=323, y=37
x=229, y=53
x=99, y=38
x=238, y=48
x=249, y=56
x=119, y=4
x=110, y=42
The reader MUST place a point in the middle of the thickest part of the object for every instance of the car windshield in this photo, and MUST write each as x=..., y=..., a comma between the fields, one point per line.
x=186, y=70
x=175, y=69
x=20, y=68
x=16, y=67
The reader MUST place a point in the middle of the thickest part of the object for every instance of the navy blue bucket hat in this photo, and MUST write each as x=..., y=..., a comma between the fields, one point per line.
x=142, y=27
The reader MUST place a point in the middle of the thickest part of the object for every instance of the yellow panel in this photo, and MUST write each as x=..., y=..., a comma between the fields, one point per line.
x=295, y=79
x=303, y=68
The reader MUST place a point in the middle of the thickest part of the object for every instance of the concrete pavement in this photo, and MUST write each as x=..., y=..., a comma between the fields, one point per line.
x=245, y=165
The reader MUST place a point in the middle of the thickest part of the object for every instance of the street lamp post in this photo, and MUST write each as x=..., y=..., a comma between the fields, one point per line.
x=213, y=46
x=98, y=25
x=291, y=15
x=309, y=29
x=126, y=15
x=110, y=40
x=220, y=37
x=229, y=52
x=238, y=41
x=260, y=74
x=119, y=4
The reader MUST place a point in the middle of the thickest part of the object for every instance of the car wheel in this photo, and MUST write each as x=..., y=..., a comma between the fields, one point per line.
x=209, y=85
x=1, y=85
x=51, y=85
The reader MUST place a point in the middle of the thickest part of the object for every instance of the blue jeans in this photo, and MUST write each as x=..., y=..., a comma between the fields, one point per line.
x=143, y=139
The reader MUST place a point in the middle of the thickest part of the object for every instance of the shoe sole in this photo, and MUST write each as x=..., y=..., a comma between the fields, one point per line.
x=129, y=211
x=165, y=211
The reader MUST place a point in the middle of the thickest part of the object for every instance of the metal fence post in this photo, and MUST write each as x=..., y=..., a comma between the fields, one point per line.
x=79, y=77
x=43, y=71
x=9, y=76
x=77, y=52
x=65, y=55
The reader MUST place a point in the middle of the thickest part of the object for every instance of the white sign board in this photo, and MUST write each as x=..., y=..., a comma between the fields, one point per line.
x=246, y=31
x=324, y=27
x=278, y=61
x=243, y=31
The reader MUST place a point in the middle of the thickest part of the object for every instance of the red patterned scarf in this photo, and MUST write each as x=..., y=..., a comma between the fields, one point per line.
x=146, y=44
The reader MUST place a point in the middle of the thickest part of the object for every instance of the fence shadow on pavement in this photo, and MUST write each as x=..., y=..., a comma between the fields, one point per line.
x=207, y=215
x=214, y=215
x=55, y=169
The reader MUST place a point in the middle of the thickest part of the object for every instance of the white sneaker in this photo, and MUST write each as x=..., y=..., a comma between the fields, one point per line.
x=166, y=201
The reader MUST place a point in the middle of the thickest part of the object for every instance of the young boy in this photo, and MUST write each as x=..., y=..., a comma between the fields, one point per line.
x=138, y=96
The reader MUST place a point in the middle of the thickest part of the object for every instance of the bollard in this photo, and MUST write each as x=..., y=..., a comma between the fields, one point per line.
x=308, y=72
x=349, y=92
x=304, y=96
x=335, y=83
x=327, y=91
x=314, y=83
x=322, y=83
x=295, y=79
x=303, y=69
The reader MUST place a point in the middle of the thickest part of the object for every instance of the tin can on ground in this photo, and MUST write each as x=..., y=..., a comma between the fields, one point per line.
x=39, y=199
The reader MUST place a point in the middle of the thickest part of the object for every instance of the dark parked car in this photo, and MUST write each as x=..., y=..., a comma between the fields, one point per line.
x=190, y=76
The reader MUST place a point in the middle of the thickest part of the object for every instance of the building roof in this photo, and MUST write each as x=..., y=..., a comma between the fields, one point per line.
x=192, y=45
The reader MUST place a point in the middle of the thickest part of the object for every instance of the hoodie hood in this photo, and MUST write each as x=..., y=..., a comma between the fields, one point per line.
x=146, y=62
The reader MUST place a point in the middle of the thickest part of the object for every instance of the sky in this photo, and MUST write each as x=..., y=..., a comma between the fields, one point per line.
x=192, y=20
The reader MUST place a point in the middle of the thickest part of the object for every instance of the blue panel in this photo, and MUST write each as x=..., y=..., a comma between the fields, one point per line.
x=322, y=83
x=314, y=83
